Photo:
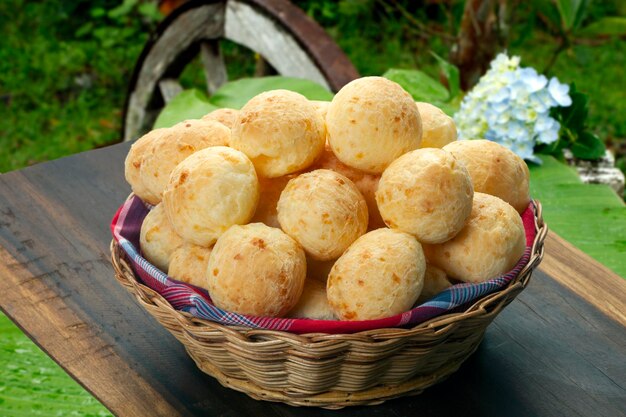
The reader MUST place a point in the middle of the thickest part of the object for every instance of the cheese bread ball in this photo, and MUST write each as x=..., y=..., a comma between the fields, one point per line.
x=280, y=131
x=225, y=116
x=489, y=245
x=313, y=303
x=380, y=275
x=133, y=161
x=189, y=264
x=256, y=269
x=176, y=144
x=435, y=281
x=323, y=211
x=266, y=211
x=366, y=183
x=495, y=170
x=321, y=107
x=438, y=129
x=371, y=122
x=210, y=191
x=158, y=239
x=426, y=193
x=318, y=270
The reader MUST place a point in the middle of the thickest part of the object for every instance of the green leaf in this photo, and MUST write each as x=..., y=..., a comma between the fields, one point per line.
x=575, y=115
x=590, y=216
x=588, y=146
x=452, y=75
x=235, y=94
x=189, y=104
x=354, y=7
x=552, y=172
x=524, y=32
x=97, y=12
x=84, y=29
x=606, y=26
x=123, y=9
x=150, y=11
x=420, y=85
x=549, y=11
x=569, y=10
x=580, y=14
x=555, y=148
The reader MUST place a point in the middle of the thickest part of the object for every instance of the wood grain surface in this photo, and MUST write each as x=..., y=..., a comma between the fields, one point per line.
x=586, y=277
x=552, y=352
x=165, y=56
x=328, y=57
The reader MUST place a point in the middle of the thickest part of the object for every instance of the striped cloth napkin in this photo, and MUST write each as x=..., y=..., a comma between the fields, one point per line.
x=126, y=225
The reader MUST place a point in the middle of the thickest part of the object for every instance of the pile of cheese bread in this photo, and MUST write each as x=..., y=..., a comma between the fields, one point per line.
x=353, y=209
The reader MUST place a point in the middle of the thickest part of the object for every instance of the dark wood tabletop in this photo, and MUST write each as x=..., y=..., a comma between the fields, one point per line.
x=559, y=349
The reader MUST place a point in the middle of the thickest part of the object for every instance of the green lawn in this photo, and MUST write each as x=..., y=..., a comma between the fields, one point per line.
x=61, y=93
x=32, y=385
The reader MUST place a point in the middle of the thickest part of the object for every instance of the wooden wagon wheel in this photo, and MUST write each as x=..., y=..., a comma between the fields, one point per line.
x=277, y=30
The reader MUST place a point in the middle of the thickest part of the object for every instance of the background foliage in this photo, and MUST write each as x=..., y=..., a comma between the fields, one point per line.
x=62, y=81
x=64, y=66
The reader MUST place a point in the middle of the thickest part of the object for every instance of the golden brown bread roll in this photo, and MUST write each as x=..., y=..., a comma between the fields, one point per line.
x=495, y=170
x=173, y=146
x=321, y=107
x=426, y=193
x=366, y=183
x=158, y=239
x=280, y=131
x=132, y=164
x=438, y=129
x=435, y=281
x=271, y=188
x=380, y=275
x=490, y=244
x=313, y=303
x=256, y=269
x=189, y=264
x=225, y=116
x=371, y=122
x=210, y=191
x=323, y=211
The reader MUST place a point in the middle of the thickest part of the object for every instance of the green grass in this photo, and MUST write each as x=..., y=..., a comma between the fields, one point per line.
x=32, y=385
x=63, y=82
x=62, y=93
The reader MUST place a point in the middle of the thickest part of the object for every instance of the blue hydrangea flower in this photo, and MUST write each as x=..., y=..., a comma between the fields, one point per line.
x=511, y=105
x=559, y=92
x=533, y=81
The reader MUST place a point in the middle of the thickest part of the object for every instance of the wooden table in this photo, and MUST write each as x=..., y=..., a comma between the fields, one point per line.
x=558, y=350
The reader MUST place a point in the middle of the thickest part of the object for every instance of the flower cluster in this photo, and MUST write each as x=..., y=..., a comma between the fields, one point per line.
x=511, y=105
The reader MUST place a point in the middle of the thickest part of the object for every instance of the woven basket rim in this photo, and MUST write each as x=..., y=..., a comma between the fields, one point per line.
x=440, y=325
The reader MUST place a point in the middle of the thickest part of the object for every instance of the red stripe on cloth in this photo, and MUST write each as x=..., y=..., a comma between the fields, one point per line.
x=528, y=218
x=116, y=223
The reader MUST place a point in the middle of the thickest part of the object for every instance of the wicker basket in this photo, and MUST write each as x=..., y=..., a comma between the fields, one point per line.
x=332, y=371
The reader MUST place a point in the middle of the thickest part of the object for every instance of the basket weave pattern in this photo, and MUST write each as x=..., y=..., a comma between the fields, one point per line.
x=332, y=371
